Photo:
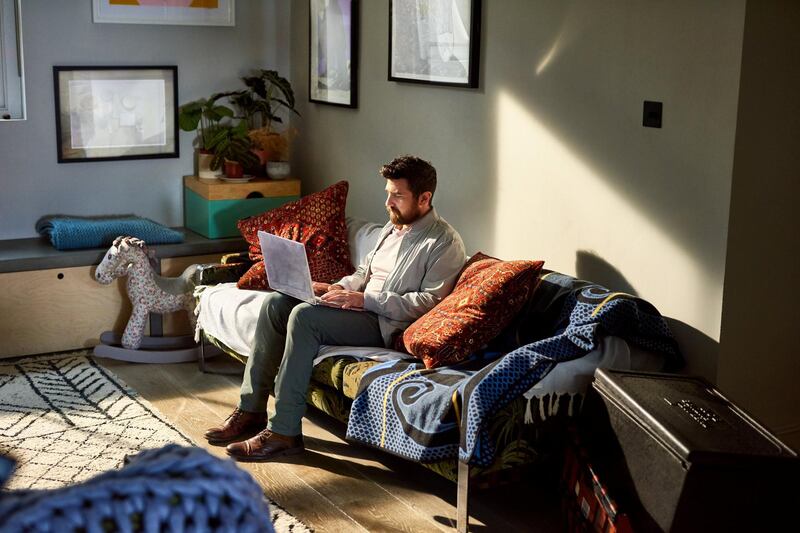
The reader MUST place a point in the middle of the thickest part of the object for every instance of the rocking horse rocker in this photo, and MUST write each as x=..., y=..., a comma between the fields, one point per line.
x=149, y=292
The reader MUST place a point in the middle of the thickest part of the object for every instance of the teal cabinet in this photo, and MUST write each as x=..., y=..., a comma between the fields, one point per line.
x=212, y=208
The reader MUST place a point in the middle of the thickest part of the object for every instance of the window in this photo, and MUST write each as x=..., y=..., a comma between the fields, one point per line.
x=12, y=78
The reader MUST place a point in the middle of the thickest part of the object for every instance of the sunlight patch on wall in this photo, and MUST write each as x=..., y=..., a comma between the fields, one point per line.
x=548, y=57
x=552, y=205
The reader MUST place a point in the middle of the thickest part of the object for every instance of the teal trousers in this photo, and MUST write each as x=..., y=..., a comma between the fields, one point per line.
x=288, y=337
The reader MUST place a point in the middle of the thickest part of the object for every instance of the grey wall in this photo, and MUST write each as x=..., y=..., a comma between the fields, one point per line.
x=759, y=365
x=548, y=158
x=209, y=59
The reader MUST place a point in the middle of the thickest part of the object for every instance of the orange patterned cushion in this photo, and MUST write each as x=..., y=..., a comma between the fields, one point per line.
x=488, y=294
x=316, y=220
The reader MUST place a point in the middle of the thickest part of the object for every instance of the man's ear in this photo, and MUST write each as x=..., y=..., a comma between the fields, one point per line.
x=424, y=199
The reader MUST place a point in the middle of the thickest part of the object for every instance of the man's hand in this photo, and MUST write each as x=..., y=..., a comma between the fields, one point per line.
x=336, y=296
x=321, y=288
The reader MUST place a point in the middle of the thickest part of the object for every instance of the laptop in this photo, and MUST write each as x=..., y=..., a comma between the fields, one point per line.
x=286, y=265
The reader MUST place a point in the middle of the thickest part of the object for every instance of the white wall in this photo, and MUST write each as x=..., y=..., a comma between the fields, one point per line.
x=548, y=158
x=209, y=59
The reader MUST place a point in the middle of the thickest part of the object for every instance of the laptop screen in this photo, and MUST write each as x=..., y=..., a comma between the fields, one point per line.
x=286, y=265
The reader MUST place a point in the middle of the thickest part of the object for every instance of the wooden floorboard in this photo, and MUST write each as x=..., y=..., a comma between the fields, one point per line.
x=337, y=486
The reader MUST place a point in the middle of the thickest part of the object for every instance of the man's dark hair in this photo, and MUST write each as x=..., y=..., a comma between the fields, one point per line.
x=420, y=174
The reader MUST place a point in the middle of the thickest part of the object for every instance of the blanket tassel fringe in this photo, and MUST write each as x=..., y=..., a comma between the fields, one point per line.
x=198, y=327
x=550, y=404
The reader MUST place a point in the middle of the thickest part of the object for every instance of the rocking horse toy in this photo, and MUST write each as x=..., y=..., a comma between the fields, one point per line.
x=149, y=292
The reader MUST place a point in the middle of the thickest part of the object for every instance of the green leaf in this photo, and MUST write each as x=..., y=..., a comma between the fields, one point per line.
x=191, y=107
x=189, y=115
x=244, y=100
x=217, y=139
x=257, y=85
x=286, y=104
x=218, y=112
x=226, y=94
x=188, y=121
x=262, y=106
x=272, y=77
x=216, y=96
x=223, y=111
x=248, y=159
x=240, y=129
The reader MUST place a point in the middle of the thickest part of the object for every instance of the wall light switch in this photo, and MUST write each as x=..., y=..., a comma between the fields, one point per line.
x=652, y=114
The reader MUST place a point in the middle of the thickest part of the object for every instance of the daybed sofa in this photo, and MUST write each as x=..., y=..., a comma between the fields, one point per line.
x=524, y=424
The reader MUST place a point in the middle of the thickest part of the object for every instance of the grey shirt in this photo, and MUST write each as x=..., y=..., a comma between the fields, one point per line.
x=428, y=262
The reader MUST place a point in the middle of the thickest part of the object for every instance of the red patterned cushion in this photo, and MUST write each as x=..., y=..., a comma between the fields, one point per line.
x=486, y=297
x=316, y=220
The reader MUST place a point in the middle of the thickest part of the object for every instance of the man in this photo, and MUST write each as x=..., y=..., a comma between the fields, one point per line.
x=413, y=266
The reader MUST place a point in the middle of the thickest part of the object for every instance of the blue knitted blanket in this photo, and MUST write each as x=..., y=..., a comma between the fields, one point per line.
x=428, y=415
x=72, y=232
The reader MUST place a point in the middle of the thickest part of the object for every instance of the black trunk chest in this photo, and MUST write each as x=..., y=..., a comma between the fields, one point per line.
x=682, y=457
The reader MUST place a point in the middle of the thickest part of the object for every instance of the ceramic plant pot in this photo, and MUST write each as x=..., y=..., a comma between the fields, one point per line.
x=204, y=171
x=233, y=169
x=278, y=170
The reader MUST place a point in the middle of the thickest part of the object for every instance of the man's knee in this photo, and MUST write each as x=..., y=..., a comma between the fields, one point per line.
x=277, y=305
x=304, y=317
x=302, y=312
x=274, y=299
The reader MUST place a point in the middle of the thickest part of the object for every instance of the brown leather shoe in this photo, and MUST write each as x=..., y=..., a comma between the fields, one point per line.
x=265, y=446
x=239, y=425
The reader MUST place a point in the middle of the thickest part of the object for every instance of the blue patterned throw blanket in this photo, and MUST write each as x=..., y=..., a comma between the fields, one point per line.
x=73, y=232
x=428, y=415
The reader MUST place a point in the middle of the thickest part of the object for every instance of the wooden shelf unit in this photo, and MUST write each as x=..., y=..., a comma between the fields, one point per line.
x=50, y=301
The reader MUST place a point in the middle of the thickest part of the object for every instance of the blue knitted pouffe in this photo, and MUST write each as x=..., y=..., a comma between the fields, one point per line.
x=173, y=488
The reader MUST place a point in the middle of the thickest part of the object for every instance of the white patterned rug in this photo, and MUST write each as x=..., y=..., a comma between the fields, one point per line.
x=64, y=419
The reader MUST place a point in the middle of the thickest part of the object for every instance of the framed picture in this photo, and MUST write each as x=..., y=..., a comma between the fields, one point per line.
x=110, y=113
x=187, y=12
x=333, y=52
x=435, y=41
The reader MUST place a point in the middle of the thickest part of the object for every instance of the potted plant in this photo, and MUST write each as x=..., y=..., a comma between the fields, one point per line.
x=232, y=148
x=204, y=115
x=266, y=94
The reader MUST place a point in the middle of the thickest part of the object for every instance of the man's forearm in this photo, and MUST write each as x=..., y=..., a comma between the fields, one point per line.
x=403, y=307
x=356, y=280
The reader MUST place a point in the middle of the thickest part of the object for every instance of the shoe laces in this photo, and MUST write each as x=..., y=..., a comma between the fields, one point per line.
x=263, y=435
x=234, y=415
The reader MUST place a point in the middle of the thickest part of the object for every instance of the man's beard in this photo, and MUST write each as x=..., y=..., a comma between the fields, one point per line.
x=399, y=220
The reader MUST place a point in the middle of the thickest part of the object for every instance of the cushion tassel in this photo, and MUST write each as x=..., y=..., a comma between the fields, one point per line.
x=542, y=416
x=528, y=412
x=554, y=405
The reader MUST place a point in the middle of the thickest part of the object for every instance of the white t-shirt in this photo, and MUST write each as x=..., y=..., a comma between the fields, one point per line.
x=384, y=259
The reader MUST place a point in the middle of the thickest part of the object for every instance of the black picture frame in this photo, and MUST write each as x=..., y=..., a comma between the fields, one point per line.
x=110, y=113
x=409, y=63
x=342, y=90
